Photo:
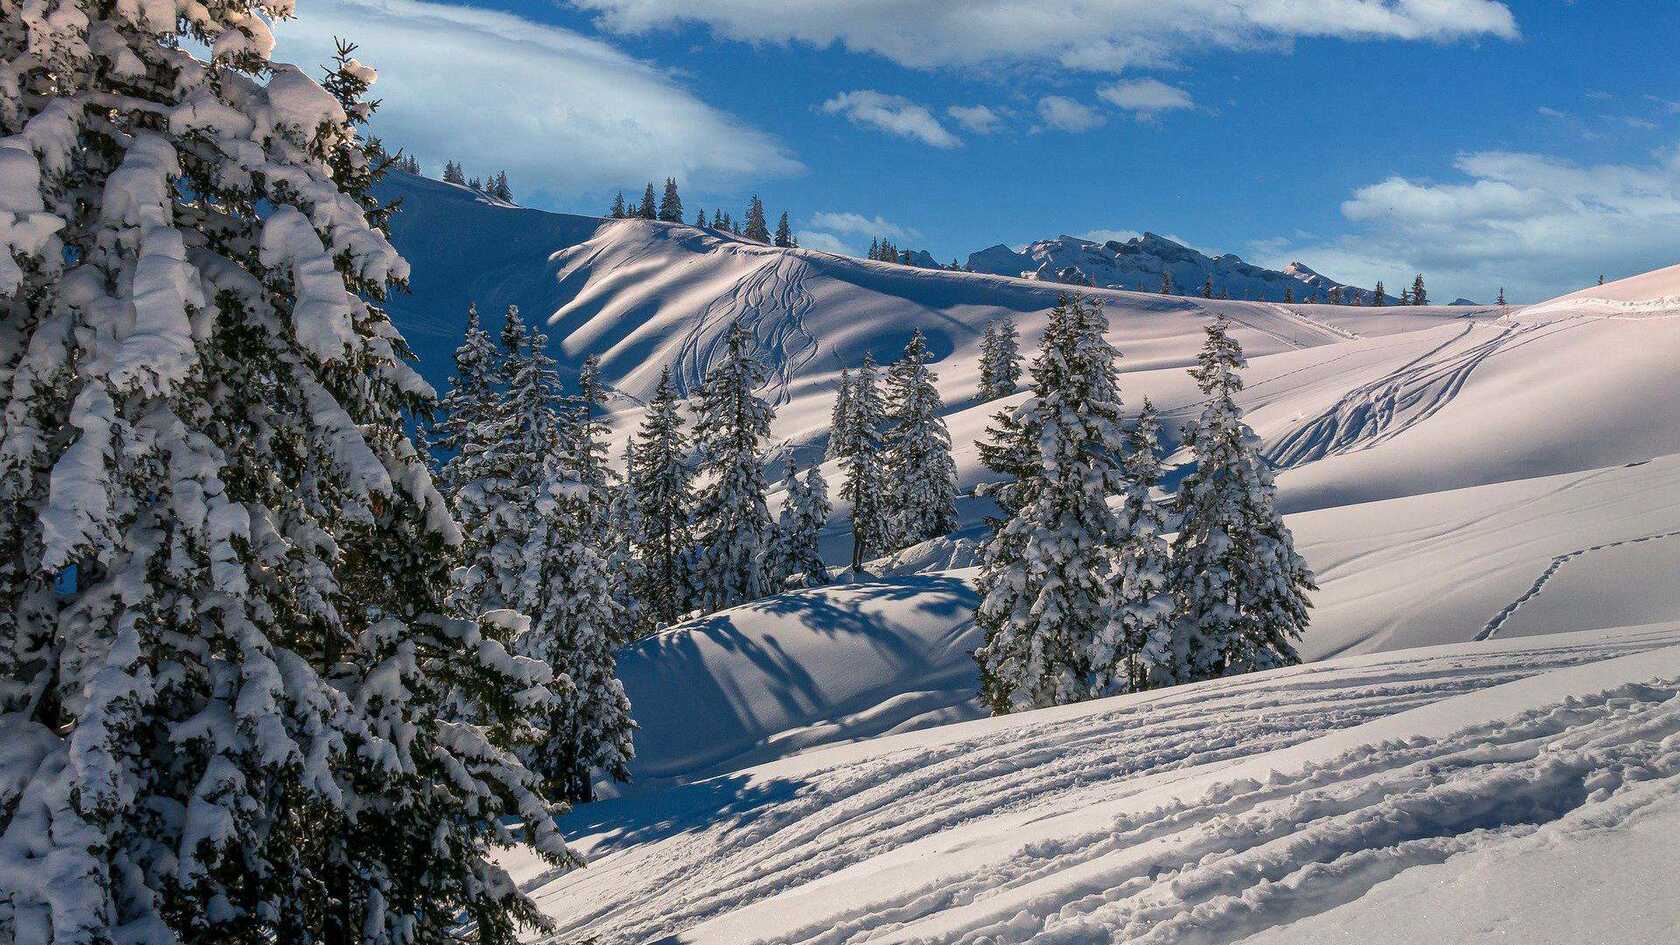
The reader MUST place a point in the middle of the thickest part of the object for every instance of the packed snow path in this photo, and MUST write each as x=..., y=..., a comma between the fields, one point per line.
x=1169, y=817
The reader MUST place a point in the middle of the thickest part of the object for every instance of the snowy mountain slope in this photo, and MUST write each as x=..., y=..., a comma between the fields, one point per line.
x=1205, y=813
x=1140, y=262
x=1550, y=555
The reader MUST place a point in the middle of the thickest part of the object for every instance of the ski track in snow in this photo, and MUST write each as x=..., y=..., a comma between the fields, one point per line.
x=1209, y=871
x=1504, y=616
x=771, y=302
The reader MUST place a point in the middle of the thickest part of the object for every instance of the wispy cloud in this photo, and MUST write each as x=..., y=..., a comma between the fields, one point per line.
x=979, y=119
x=1145, y=97
x=1109, y=36
x=1065, y=114
x=565, y=115
x=894, y=114
x=856, y=224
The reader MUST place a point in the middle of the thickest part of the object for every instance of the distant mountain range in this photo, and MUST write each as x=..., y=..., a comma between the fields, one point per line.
x=1139, y=264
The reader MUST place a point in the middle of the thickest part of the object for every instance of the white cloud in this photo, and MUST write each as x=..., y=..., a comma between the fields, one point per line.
x=1105, y=36
x=980, y=119
x=894, y=114
x=1065, y=114
x=826, y=242
x=1533, y=223
x=567, y=116
x=856, y=224
x=1145, y=96
x=1550, y=112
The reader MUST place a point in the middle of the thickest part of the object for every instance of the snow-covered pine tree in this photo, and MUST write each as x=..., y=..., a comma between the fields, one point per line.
x=1000, y=359
x=1405, y=296
x=1166, y=283
x=499, y=188
x=224, y=651
x=663, y=481
x=799, y=528
x=466, y=415
x=732, y=524
x=624, y=560
x=1501, y=300
x=839, y=417
x=1239, y=588
x=758, y=228
x=784, y=233
x=921, y=476
x=700, y=217
x=1149, y=654
x=502, y=494
x=1207, y=287
x=475, y=184
x=648, y=209
x=1379, y=295
x=453, y=174
x=670, y=205
x=862, y=461
x=1419, y=296
x=618, y=210
x=1045, y=575
x=875, y=248
x=576, y=627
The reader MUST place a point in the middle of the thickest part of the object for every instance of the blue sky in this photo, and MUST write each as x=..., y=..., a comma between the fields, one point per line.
x=1530, y=143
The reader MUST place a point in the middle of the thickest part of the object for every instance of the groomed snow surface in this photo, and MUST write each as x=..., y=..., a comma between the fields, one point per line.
x=1485, y=748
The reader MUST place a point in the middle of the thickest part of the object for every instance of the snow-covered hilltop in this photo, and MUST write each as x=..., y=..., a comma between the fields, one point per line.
x=1141, y=262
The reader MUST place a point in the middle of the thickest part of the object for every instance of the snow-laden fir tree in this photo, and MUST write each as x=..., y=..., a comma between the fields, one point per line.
x=758, y=228
x=224, y=647
x=453, y=173
x=1379, y=295
x=663, y=481
x=624, y=559
x=732, y=524
x=1046, y=572
x=499, y=187
x=921, y=476
x=670, y=205
x=576, y=626
x=784, y=233
x=1207, y=287
x=500, y=497
x=1238, y=586
x=862, y=461
x=1148, y=653
x=618, y=211
x=839, y=419
x=467, y=414
x=648, y=210
x=1000, y=359
x=799, y=529
x=1419, y=295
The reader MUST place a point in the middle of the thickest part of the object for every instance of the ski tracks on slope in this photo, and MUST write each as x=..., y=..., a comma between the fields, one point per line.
x=848, y=814
x=1248, y=856
x=1500, y=619
x=771, y=302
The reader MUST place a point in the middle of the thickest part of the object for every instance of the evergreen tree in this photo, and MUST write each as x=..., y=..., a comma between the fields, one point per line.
x=1166, y=283
x=663, y=482
x=729, y=225
x=861, y=460
x=921, y=476
x=467, y=414
x=453, y=174
x=1419, y=296
x=732, y=522
x=1501, y=300
x=476, y=184
x=784, y=232
x=647, y=210
x=224, y=648
x=717, y=219
x=799, y=529
x=874, y=249
x=1000, y=359
x=1149, y=653
x=1207, y=287
x=700, y=217
x=670, y=205
x=1379, y=295
x=1238, y=585
x=574, y=629
x=1288, y=294
x=618, y=209
x=758, y=229
x=1405, y=296
x=840, y=419
x=624, y=560
x=501, y=190
x=1045, y=574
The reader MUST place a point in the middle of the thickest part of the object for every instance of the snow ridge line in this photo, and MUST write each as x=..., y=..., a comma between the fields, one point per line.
x=1500, y=619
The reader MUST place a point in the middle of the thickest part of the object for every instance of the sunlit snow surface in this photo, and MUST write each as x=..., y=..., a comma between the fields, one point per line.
x=1500, y=487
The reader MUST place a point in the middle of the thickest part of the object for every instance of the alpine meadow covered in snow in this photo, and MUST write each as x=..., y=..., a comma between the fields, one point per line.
x=415, y=528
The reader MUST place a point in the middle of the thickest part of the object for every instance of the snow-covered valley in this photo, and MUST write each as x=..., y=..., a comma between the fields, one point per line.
x=1490, y=498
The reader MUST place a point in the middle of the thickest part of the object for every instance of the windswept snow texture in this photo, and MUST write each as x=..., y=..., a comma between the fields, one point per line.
x=1204, y=814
